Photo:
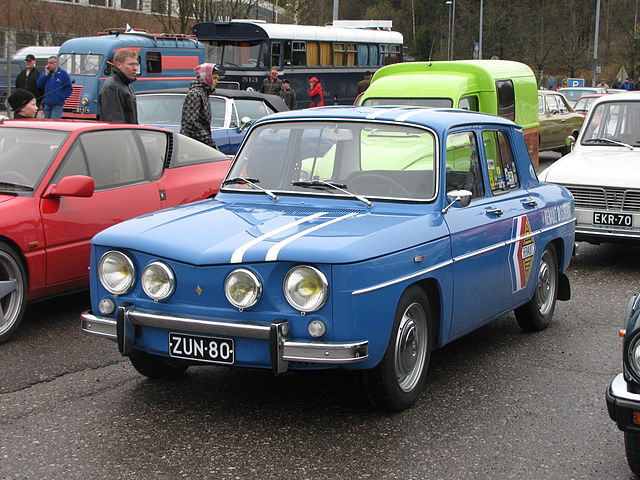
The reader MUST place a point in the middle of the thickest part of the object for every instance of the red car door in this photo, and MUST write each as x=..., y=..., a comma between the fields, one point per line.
x=123, y=189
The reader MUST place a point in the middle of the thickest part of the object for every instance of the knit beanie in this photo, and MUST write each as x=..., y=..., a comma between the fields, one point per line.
x=19, y=98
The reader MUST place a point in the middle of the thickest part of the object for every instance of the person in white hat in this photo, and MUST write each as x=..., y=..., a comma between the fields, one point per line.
x=196, y=109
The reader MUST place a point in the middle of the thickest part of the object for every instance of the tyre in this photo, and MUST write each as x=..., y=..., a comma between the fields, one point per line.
x=156, y=367
x=395, y=383
x=13, y=291
x=537, y=313
x=632, y=449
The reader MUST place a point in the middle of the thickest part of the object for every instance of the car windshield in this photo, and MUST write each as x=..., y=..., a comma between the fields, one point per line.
x=166, y=109
x=583, y=104
x=25, y=155
x=338, y=158
x=81, y=64
x=617, y=121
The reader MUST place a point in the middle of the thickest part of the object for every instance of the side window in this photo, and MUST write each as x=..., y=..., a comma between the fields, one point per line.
x=154, y=62
x=218, y=106
x=501, y=167
x=276, y=54
x=463, y=170
x=113, y=157
x=562, y=105
x=469, y=103
x=552, y=104
x=254, y=109
x=73, y=164
x=541, y=104
x=506, y=99
x=155, y=147
x=188, y=151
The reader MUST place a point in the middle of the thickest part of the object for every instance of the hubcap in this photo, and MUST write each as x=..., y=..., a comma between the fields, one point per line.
x=547, y=283
x=11, y=291
x=411, y=347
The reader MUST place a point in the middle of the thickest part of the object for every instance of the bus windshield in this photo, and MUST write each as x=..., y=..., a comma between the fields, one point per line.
x=234, y=54
x=80, y=64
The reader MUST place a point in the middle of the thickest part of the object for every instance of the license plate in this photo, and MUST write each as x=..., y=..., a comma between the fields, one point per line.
x=205, y=349
x=622, y=220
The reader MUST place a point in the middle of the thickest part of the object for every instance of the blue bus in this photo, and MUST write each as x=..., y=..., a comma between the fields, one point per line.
x=338, y=56
x=166, y=61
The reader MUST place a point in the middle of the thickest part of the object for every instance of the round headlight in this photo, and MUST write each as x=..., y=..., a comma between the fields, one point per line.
x=242, y=288
x=84, y=101
x=116, y=271
x=158, y=280
x=305, y=288
x=633, y=356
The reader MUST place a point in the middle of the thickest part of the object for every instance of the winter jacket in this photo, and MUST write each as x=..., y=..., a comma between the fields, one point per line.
x=56, y=86
x=315, y=93
x=196, y=113
x=271, y=88
x=29, y=82
x=289, y=97
x=117, y=99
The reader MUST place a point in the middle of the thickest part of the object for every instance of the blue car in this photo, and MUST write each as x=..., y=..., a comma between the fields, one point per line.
x=351, y=237
x=232, y=111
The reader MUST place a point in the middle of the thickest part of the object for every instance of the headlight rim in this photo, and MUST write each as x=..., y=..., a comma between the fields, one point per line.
x=632, y=344
x=128, y=262
x=168, y=270
x=323, y=280
x=257, y=285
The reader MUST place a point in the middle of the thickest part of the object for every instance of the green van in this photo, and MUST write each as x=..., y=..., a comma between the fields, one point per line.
x=499, y=87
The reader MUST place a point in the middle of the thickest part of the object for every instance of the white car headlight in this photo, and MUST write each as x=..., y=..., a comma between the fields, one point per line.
x=633, y=356
x=116, y=272
x=305, y=288
x=158, y=280
x=242, y=288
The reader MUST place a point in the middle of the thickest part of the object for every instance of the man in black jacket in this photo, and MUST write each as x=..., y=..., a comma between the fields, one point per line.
x=117, y=98
x=28, y=77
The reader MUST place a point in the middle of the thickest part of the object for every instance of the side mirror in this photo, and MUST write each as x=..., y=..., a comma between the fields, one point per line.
x=461, y=197
x=570, y=141
x=245, y=122
x=71, y=186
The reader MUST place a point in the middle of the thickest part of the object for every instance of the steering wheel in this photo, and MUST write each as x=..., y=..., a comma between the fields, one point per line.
x=15, y=177
x=376, y=184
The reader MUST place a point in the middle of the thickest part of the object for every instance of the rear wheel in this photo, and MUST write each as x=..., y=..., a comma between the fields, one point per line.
x=13, y=291
x=156, y=367
x=632, y=449
x=395, y=383
x=537, y=313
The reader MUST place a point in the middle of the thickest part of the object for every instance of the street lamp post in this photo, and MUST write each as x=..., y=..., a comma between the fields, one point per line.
x=480, y=32
x=449, y=4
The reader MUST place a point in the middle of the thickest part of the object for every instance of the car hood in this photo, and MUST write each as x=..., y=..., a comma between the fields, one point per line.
x=215, y=232
x=613, y=167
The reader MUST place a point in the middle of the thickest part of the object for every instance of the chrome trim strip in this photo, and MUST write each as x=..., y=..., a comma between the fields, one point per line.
x=340, y=353
x=101, y=326
x=618, y=389
x=460, y=258
x=238, y=254
x=272, y=253
x=600, y=233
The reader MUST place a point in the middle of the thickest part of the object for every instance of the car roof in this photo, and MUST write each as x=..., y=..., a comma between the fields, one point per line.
x=69, y=125
x=618, y=97
x=273, y=100
x=436, y=118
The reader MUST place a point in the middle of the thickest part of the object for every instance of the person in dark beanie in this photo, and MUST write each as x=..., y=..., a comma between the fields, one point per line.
x=23, y=103
x=27, y=79
x=288, y=94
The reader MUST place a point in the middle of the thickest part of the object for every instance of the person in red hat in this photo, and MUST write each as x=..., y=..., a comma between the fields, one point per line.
x=196, y=109
x=315, y=93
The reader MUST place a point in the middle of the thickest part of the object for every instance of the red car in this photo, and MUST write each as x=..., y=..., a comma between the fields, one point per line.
x=61, y=182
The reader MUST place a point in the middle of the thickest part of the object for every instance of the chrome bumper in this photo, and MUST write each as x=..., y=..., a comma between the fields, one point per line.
x=618, y=390
x=283, y=350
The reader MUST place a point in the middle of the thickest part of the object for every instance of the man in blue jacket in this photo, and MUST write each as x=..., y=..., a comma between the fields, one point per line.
x=57, y=87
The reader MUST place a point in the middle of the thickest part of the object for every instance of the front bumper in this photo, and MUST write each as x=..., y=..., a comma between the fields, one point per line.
x=623, y=405
x=282, y=349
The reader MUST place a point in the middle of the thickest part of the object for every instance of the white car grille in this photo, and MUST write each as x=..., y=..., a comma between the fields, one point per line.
x=608, y=198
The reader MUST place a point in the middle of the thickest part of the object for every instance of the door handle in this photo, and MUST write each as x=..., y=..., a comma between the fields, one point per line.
x=530, y=203
x=495, y=211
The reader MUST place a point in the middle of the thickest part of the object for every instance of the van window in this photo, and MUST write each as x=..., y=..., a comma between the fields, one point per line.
x=154, y=62
x=469, y=103
x=506, y=99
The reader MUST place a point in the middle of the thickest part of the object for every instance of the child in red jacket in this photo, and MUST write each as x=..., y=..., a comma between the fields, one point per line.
x=315, y=93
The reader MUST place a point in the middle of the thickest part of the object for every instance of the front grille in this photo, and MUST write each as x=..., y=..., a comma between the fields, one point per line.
x=606, y=198
x=73, y=101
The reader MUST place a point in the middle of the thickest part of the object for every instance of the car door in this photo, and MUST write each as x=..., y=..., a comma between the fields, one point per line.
x=123, y=190
x=482, y=233
x=220, y=124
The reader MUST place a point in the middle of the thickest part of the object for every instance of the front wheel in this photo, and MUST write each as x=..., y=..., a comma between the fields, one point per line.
x=537, y=313
x=156, y=367
x=13, y=291
x=632, y=449
x=395, y=383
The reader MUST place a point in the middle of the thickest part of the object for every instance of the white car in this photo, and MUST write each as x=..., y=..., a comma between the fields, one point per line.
x=603, y=171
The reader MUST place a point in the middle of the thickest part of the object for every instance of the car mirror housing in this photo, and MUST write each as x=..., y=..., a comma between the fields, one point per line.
x=71, y=186
x=461, y=197
x=245, y=122
x=570, y=141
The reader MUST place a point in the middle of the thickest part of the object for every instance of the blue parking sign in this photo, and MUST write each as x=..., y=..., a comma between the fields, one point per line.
x=575, y=82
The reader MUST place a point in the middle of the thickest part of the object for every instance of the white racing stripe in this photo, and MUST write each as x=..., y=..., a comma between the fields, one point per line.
x=272, y=254
x=238, y=254
x=385, y=112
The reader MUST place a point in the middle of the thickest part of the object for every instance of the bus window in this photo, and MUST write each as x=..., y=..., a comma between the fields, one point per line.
x=241, y=54
x=469, y=103
x=325, y=54
x=506, y=99
x=350, y=54
x=363, y=54
x=80, y=64
x=276, y=54
x=154, y=62
x=299, y=54
x=213, y=53
x=389, y=54
x=313, y=54
x=373, y=55
x=338, y=54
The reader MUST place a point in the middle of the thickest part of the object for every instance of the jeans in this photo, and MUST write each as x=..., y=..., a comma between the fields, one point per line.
x=52, y=111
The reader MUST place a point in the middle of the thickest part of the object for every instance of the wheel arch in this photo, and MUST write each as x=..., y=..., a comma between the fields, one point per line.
x=16, y=249
x=564, y=288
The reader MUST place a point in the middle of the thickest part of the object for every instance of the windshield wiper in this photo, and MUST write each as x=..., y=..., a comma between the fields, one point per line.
x=608, y=140
x=252, y=183
x=16, y=186
x=336, y=186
